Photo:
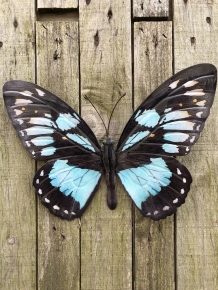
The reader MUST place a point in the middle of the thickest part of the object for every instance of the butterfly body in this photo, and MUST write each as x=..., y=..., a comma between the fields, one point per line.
x=165, y=125
x=109, y=160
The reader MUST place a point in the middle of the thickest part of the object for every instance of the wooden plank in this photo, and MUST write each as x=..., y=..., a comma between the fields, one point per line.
x=195, y=30
x=154, y=241
x=151, y=8
x=17, y=198
x=44, y=4
x=57, y=71
x=105, y=47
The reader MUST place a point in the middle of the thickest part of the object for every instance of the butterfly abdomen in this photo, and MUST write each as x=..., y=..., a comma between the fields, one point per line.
x=109, y=162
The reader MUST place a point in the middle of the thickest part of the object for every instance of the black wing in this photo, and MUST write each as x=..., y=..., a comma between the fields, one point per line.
x=51, y=130
x=166, y=124
x=66, y=186
x=47, y=126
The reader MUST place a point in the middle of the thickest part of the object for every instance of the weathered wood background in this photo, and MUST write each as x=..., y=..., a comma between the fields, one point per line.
x=104, y=49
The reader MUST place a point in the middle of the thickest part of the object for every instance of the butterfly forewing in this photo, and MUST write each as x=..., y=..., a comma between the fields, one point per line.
x=170, y=120
x=47, y=126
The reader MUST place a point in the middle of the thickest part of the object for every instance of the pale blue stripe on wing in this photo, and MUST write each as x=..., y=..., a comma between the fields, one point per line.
x=149, y=118
x=81, y=140
x=135, y=138
x=42, y=140
x=176, y=137
x=67, y=122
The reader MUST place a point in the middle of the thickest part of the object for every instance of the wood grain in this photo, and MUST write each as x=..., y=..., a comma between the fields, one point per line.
x=106, y=249
x=17, y=198
x=63, y=4
x=105, y=61
x=195, y=30
x=150, y=8
x=154, y=241
x=57, y=71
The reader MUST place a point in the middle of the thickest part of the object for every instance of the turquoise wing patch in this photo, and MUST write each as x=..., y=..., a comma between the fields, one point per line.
x=66, y=186
x=157, y=186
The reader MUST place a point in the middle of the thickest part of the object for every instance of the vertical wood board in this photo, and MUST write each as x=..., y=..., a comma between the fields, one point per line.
x=195, y=34
x=17, y=198
x=105, y=62
x=57, y=71
x=150, y=8
x=154, y=241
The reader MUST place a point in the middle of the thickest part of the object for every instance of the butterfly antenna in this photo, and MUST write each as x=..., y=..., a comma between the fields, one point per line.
x=113, y=111
x=86, y=98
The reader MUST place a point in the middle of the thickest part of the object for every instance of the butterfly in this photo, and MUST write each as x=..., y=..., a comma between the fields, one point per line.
x=165, y=125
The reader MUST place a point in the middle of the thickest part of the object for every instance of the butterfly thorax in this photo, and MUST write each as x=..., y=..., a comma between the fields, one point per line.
x=109, y=161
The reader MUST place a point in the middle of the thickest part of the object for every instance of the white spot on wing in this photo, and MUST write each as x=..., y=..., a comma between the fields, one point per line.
x=40, y=93
x=48, y=151
x=42, y=121
x=196, y=93
x=28, y=143
x=175, y=200
x=190, y=84
x=22, y=101
x=148, y=213
x=167, y=110
x=198, y=127
x=182, y=191
x=26, y=93
x=184, y=180
x=201, y=103
x=42, y=173
x=39, y=191
x=166, y=207
x=187, y=149
x=174, y=84
x=48, y=115
x=56, y=207
x=73, y=213
x=22, y=133
x=20, y=121
x=192, y=139
x=37, y=181
x=156, y=212
x=47, y=200
x=178, y=171
x=38, y=130
x=199, y=114
x=176, y=115
x=66, y=211
x=18, y=112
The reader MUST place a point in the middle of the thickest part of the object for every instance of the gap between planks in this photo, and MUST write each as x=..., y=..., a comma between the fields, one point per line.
x=57, y=15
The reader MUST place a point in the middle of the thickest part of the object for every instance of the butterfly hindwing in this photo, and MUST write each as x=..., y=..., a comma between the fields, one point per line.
x=66, y=186
x=170, y=120
x=158, y=185
x=46, y=125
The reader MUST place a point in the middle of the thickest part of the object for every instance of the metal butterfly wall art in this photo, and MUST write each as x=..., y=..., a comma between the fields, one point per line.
x=165, y=125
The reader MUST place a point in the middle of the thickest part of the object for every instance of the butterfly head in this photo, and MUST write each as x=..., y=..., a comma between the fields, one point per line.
x=108, y=141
